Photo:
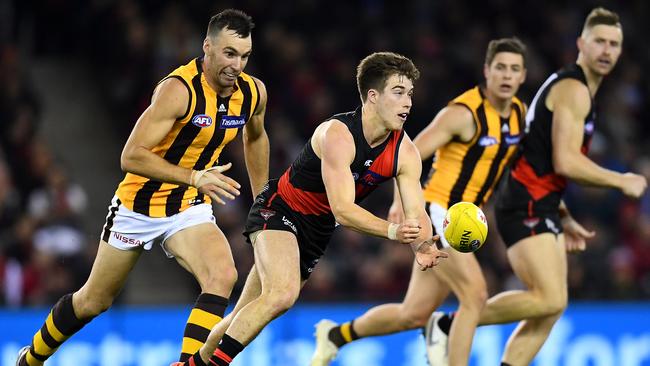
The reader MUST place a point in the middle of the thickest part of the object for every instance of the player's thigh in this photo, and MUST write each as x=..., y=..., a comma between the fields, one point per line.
x=202, y=250
x=109, y=272
x=462, y=273
x=277, y=259
x=426, y=292
x=540, y=262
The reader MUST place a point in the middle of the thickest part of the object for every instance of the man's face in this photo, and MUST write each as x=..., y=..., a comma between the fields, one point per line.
x=505, y=74
x=395, y=100
x=600, y=47
x=229, y=54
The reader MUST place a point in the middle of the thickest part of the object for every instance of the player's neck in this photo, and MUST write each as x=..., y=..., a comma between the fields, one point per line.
x=502, y=106
x=374, y=128
x=593, y=79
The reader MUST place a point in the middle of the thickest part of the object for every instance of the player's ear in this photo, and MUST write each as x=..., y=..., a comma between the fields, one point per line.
x=486, y=70
x=206, y=45
x=580, y=43
x=372, y=95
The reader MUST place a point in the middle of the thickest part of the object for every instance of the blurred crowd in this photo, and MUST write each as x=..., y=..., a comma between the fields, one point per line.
x=306, y=53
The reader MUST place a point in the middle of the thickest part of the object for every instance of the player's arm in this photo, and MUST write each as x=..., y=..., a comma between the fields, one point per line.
x=452, y=122
x=169, y=102
x=570, y=102
x=334, y=144
x=408, y=183
x=256, y=144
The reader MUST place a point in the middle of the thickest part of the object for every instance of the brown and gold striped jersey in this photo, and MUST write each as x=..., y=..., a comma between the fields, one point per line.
x=469, y=171
x=195, y=141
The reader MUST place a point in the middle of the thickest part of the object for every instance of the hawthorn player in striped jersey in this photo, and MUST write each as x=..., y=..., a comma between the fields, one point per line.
x=172, y=170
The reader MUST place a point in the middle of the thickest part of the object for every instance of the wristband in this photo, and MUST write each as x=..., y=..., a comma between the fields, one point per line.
x=392, y=231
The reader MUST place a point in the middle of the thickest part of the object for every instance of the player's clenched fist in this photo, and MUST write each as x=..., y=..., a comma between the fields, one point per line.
x=212, y=182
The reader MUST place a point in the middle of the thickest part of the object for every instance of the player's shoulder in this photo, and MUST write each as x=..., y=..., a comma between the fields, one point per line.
x=570, y=88
x=171, y=89
x=335, y=128
x=471, y=98
x=571, y=93
x=408, y=149
x=457, y=112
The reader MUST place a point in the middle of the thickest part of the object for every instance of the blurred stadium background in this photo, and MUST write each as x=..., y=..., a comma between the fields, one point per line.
x=75, y=75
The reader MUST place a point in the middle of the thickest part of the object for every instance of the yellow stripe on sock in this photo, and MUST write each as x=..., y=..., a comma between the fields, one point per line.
x=345, y=332
x=40, y=347
x=31, y=361
x=190, y=345
x=54, y=331
x=203, y=318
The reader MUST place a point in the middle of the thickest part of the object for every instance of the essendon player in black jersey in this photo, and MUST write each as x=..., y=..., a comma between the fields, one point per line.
x=291, y=221
x=531, y=217
x=474, y=138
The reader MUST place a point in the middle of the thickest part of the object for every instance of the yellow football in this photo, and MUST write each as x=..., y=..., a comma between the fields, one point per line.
x=465, y=227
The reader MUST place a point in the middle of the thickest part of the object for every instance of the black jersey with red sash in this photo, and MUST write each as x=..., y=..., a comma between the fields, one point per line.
x=302, y=188
x=533, y=184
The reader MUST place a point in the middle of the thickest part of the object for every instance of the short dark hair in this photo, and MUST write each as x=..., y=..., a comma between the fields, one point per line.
x=512, y=44
x=600, y=16
x=374, y=70
x=233, y=19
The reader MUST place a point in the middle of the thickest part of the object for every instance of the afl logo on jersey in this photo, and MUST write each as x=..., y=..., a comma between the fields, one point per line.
x=202, y=120
x=487, y=141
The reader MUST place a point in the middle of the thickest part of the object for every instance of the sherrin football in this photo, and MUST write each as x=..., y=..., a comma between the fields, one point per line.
x=465, y=227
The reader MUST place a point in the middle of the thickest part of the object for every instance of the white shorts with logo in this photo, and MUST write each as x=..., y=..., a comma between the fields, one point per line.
x=437, y=214
x=128, y=230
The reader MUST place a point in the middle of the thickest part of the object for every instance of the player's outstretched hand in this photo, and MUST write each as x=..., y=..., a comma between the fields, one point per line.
x=575, y=235
x=408, y=231
x=212, y=182
x=427, y=253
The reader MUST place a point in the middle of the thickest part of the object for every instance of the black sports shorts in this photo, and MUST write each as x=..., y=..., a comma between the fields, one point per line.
x=515, y=225
x=313, y=232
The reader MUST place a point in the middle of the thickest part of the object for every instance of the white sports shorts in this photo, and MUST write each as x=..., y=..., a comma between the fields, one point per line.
x=128, y=230
x=437, y=214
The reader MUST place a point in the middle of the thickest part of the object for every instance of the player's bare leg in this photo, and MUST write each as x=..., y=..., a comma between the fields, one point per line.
x=203, y=251
x=425, y=293
x=252, y=290
x=540, y=262
x=462, y=273
x=411, y=313
x=109, y=272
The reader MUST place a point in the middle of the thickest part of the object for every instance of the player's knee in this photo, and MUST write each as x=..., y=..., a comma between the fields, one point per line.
x=219, y=280
x=89, y=306
x=473, y=297
x=280, y=300
x=556, y=304
x=412, y=318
